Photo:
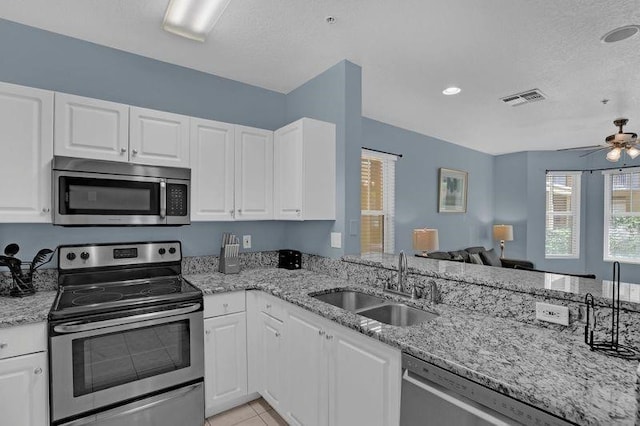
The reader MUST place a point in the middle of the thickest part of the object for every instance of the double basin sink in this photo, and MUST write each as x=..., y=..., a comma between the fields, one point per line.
x=376, y=308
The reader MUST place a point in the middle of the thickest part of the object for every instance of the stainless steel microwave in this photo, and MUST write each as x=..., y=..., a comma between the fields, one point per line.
x=94, y=192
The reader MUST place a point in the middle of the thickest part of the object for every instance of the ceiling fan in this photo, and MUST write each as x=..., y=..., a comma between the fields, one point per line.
x=616, y=143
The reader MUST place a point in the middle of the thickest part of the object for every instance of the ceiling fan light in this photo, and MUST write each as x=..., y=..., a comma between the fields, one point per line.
x=614, y=154
x=633, y=152
x=193, y=19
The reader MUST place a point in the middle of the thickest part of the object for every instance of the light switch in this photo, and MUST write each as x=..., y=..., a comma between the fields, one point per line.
x=336, y=240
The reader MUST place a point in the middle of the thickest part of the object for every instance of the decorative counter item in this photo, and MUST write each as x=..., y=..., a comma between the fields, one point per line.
x=229, y=262
x=23, y=278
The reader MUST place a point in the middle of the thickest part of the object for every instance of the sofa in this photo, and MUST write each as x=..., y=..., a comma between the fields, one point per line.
x=480, y=256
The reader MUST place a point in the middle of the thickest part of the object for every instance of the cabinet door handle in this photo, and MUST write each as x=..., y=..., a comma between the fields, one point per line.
x=239, y=211
x=37, y=371
x=134, y=152
x=231, y=213
x=45, y=210
x=226, y=305
x=123, y=150
x=277, y=334
x=207, y=332
x=268, y=306
x=321, y=332
x=3, y=345
x=329, y=337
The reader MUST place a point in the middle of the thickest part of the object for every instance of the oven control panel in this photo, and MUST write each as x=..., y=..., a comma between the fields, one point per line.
x=102, y=255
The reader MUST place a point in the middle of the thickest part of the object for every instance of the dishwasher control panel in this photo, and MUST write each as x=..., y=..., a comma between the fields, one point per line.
x=423, y=374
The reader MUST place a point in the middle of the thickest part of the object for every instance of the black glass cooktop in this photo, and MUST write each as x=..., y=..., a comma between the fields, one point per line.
x=88, y=298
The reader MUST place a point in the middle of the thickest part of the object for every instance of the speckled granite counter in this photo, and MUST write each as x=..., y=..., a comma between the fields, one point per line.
x=25, y=310
x=544, y=284
x=547, y=369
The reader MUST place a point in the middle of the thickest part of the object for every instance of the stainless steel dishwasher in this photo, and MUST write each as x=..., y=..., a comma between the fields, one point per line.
x=432, y=396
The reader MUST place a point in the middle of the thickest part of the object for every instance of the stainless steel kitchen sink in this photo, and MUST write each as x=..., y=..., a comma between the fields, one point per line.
x=376, y=308
x=398, y=314
x=350, y=300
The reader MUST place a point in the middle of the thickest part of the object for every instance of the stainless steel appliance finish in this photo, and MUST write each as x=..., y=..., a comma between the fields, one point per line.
x=94, y=192
x=432, y=396
x=125, y=328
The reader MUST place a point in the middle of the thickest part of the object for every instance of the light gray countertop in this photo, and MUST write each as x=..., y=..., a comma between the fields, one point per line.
x=552, y=285
x=544, y=368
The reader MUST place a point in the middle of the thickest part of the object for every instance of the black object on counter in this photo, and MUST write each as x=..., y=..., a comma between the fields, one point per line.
x=610, y=347
x=289, y=259
x=23, y=279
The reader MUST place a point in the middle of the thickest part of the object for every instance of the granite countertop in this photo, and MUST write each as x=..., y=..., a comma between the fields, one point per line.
x=552, y=285
x=25, y=310
x=545, y=368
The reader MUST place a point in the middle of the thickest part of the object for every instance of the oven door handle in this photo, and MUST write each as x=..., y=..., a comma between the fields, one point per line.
x=163, y=199
x=78, y=326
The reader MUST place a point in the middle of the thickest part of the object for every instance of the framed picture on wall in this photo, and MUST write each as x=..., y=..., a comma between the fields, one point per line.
x=452, y=194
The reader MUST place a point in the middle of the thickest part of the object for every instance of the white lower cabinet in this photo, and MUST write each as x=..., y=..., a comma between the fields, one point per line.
x=332, y=375
x=225, y=351
x=24, y=390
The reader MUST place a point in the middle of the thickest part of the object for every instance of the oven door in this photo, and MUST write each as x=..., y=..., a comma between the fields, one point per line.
x=103, y=199
x=97, y=364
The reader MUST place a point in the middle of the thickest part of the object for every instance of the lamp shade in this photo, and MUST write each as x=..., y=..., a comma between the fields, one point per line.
x=425, y=239
x=503, y=232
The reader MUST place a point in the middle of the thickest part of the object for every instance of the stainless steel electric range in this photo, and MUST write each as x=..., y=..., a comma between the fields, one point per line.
x=126, y=338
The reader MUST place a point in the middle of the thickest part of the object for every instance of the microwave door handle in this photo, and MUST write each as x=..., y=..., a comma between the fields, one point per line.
x=163, y=199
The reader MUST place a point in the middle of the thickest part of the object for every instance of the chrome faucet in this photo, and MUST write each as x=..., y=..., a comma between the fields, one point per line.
x=402, y=271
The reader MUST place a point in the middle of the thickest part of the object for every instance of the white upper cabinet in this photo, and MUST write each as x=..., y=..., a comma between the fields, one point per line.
x=26, y=139
x=253, y=173
x=158, y=138
x=305, y=171
x=91, y=128
x=212, y=170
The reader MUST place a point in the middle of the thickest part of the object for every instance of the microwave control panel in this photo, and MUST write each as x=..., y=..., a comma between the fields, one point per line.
x=177, y=200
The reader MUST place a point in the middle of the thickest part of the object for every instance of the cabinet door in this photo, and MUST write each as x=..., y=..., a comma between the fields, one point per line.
x=159, y=138
x=24, y=390
x=91, y=128
x=288, y=172
x=26, y=120
x=254, y=174
x=212, y=170
x=364, y=381
x=306, y=371
x=225, y=353
x=271, y=363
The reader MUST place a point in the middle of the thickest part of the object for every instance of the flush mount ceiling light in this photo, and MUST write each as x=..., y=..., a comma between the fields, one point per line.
x=193, y=19
x=451, y=91
x=620, y=34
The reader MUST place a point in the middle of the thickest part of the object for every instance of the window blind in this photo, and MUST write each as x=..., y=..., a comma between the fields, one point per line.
x=377, y=202
x=562, y=221
x=622, y=216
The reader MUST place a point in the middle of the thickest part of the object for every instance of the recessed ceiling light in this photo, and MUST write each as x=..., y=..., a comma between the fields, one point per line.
x=330, y=19
x=451, y=90
x=193, y=19
x=620, y=34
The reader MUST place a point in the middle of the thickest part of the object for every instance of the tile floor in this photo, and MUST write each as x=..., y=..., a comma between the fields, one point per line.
x=255, y=413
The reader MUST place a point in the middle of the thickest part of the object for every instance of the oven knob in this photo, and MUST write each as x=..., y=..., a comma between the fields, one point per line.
x=162, y=251
x=172, y=250
x=84, y=255
x=71, y=256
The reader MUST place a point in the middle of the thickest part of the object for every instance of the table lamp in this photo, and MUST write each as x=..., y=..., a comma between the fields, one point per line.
x=425, y=240
x=502, y=233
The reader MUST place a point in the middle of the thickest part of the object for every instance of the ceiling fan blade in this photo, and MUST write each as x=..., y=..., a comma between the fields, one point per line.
x=594, y=151
x=580, y=148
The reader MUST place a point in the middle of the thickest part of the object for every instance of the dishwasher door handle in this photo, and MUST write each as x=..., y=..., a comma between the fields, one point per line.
x=462, y=404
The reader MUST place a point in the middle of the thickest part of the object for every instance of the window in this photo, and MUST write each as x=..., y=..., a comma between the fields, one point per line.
x=562, y=226
x=377, y=202
x=622, y=216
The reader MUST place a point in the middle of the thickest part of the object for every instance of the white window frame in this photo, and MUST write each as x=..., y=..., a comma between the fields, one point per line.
x=388, y=199
x=607, y=216
x=575, y=202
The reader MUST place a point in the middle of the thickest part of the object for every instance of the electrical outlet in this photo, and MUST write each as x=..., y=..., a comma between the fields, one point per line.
x=552, y=313
x=246, y=241
x=336, y=240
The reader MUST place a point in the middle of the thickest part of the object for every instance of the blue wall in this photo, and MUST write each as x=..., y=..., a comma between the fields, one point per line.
x=417, y=186
x=520, y=200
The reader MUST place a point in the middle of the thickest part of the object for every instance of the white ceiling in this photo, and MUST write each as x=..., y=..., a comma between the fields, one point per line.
x=409, y=50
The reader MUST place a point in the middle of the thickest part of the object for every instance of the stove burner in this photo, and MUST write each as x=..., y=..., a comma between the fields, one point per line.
x=160, y=289
x=95, y=298
x=89, y=290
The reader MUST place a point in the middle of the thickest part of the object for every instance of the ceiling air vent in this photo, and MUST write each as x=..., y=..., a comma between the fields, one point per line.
x=529, y=96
